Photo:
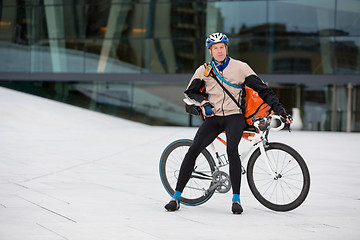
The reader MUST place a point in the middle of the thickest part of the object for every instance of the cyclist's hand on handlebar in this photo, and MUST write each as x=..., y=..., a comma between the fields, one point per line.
x=207, y=110
x=286, y=118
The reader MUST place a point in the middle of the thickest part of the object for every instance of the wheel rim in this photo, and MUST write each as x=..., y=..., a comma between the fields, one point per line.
x=200, y=179
x=288, y=184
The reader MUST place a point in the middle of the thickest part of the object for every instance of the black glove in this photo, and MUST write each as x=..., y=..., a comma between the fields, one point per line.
x=286, y=118
x=207, y=110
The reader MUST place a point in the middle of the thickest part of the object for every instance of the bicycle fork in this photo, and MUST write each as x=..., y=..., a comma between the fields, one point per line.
x=266, y=158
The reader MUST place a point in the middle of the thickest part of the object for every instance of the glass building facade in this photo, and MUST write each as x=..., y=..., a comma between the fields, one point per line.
x=133, y=59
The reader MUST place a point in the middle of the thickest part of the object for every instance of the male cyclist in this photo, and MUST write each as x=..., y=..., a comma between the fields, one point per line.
x=222, y=113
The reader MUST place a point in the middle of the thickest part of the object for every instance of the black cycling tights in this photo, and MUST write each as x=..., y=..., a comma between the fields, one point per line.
x=233, y=125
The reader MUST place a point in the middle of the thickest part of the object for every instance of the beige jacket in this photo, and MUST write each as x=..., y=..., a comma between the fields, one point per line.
x=235, y=73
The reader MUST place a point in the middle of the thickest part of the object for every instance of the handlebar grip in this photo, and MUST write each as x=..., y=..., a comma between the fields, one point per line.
x=281, y=126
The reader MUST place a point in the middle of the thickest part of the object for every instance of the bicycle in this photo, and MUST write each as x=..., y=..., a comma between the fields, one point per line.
x=277, y=175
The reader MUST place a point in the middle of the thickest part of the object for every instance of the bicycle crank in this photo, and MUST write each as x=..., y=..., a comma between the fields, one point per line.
x=220, y=182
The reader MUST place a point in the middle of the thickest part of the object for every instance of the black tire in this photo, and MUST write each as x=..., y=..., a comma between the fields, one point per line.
x=290, y=189
x=170, y=162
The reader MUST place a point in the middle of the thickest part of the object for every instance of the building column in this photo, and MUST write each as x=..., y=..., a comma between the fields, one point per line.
x=334, y=108
x=349, y=107
x=298, y=96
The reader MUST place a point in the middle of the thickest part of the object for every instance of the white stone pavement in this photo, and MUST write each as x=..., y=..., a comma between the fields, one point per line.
x=69, y=173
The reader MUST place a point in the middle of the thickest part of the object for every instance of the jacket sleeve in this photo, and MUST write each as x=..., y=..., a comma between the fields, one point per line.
x=266, y=93
x=196, y=91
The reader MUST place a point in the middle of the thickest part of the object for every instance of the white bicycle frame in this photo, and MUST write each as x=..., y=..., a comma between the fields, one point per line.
x=258, y=140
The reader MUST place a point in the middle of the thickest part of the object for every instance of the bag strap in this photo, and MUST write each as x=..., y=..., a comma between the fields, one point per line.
x=222, y=79
x=215, y=76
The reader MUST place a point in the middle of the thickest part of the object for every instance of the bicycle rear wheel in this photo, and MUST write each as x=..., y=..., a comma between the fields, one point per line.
x=195, y=190
x=291, y=185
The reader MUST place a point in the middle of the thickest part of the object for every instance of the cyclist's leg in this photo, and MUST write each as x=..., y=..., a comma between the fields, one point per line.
x=205, y=135
x=234, y=127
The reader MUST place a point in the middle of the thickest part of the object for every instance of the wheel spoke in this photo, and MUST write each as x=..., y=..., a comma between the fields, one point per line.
x=194, y=192
x=289, y=188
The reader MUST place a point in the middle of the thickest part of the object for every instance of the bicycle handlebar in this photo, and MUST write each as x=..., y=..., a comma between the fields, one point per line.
x=264, y=123
x=281, y=126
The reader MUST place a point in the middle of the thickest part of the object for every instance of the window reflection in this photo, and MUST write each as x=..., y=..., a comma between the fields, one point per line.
x=286, y=36
x=303, y=17
x=347, y=55
x=348, y=17
x=297, y=37
x=120, y=57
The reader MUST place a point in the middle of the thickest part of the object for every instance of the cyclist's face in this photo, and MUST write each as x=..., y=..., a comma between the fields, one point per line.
x=218, y=51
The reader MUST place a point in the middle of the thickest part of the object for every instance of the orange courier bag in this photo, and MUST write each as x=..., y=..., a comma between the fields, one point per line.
x=255, y=107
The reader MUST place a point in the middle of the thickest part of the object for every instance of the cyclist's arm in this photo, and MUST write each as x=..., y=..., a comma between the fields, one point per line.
x=196, y=88
x=266, y=93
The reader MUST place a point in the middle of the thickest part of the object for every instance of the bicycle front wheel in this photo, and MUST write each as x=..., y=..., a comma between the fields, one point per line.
x=288, y=187
x=201, y=179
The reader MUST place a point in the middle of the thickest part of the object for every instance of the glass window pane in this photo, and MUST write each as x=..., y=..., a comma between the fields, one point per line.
x=347, y=55
x=59, y=22
x=14, y=57
x=348, y=17
x=180, y=19
x=115, y=21
x=113, y=55
x=109, y=97
x=56, y=56
x=74, y=21
x=316, y=109
x=14, y=39
x=306, y=17
x=161, y=101
x=8, y=22
x=96, y=20
x=247, y=34
x=57, y=38
x=74, y=2
x=91, y=2
x=252, y=50
x=172, y=55
x=15, y=24
x=188, y=54
x=13, y=3
x=137, y=55
x=234, y=17
x=41, y=57
x=302, y=55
